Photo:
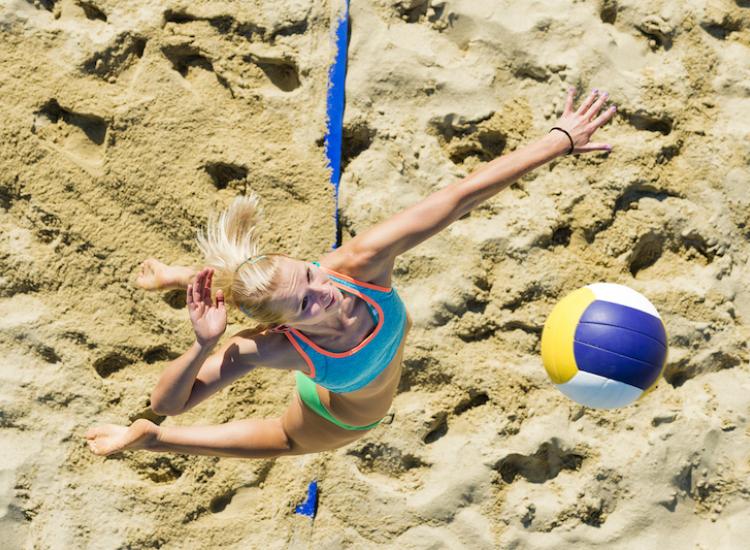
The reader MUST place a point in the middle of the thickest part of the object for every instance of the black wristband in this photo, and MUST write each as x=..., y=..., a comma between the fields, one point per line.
x=572, y=145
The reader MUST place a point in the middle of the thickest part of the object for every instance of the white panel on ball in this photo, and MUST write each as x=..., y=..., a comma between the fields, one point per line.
x=620, y=294
x=599, y=392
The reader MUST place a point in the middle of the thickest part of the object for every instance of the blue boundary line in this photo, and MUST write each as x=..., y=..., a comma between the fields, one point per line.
x=310, y=506
x=335, y=102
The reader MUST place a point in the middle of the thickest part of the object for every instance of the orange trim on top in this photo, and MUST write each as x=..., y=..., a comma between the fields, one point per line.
x=302, y=354
x=359, y=346
x=355, y=281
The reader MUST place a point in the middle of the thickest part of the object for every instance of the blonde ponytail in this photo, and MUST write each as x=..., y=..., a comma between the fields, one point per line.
x=228, y=242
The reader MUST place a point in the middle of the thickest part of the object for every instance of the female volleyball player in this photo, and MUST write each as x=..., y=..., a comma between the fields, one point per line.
x=337, y=322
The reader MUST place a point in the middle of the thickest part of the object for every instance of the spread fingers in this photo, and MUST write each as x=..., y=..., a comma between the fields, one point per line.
x=605, y=117
x=207, y=287
x=198, y=286
x=569, y=101
x=588, y=102
x=596, y=106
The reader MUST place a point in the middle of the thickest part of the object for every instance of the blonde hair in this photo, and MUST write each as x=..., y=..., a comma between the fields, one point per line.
x=230, y=246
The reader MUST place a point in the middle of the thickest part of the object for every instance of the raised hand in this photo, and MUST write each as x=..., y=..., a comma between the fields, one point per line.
x=581, y=123
x=209, y=320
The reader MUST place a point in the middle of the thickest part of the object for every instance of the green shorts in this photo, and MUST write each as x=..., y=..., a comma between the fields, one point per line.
x=309, y=396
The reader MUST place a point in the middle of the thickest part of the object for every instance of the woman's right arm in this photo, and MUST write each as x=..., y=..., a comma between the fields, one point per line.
x=209, y=322
x=200, y=372
x=175, y=386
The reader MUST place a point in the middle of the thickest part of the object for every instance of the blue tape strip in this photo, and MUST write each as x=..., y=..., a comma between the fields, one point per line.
x=310, y=506
x=335, y=102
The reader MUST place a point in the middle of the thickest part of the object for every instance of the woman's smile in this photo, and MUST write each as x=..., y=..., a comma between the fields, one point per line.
x=331, y=299
x=335, y=295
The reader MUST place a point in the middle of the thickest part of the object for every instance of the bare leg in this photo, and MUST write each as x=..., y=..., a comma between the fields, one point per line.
x=298, y=431
x=155, y=275
x=242, y=439
x=110, y=438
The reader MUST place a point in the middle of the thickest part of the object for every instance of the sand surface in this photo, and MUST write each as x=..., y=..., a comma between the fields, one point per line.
x=125, y=123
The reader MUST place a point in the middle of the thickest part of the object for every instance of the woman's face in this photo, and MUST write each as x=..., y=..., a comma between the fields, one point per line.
x=305, y=294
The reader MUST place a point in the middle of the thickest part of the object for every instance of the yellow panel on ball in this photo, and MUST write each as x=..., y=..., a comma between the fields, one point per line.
x=558, y=334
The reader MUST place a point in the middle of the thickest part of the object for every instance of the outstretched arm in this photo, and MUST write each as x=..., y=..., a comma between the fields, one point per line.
x=209, y=321
x=201, y=371
x=373, y=252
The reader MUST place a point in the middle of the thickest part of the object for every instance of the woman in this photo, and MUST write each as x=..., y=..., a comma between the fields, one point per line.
x=337, y=323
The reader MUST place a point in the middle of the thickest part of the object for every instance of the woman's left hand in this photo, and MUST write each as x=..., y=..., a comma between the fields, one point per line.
x=209, y=319
x=581, y=123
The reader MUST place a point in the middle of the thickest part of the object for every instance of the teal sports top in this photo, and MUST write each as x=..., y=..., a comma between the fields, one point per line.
x=352, y=370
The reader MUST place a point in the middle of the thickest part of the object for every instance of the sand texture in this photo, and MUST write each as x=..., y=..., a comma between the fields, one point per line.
x=125, y=123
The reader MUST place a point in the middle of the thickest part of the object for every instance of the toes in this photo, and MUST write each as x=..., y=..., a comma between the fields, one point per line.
x=99, y=448
x=92, y=433
x=148, y=266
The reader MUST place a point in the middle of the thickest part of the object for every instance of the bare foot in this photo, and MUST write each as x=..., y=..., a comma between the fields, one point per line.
x=109, y=438
x=155, y=275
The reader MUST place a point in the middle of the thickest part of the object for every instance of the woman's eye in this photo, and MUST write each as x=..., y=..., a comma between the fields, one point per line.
x=304, y=303
x=308, y=275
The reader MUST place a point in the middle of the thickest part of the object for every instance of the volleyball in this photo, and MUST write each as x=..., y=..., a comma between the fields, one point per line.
x=604, y=345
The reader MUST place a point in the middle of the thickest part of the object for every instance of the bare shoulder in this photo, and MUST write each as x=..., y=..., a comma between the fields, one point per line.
x=266, y=349
x=361, y=265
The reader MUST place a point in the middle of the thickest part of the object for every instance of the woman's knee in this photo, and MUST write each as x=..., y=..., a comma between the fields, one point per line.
x=312, y=439
x=161, y=410
x=285, y=443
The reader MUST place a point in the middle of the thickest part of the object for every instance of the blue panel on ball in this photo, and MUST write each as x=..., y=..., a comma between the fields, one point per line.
x=622, y=341
x=609, y=313
x=615, y=366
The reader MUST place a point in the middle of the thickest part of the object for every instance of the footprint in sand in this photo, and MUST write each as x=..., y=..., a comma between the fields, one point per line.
x=120, y=55
x=464, y=139
x=546, y=463
x=195, y=67
x=81, y=137
x=265, y=71
x=92, y=10
x=281, y=73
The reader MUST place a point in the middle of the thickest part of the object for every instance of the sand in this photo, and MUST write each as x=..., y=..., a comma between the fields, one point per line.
x=125, y=123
